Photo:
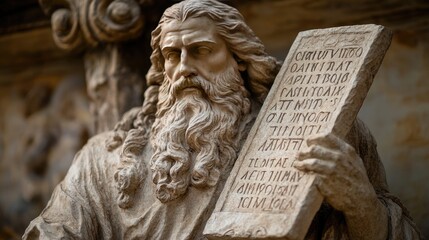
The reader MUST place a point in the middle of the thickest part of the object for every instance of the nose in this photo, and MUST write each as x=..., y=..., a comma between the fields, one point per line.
x=187, y=65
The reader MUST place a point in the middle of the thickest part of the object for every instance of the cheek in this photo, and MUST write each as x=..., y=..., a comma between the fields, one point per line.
x=170, y=69
x=221, y=61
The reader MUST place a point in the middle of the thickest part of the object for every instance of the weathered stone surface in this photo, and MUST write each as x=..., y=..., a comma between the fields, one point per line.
x=45, y=120
x=18, y=50
x=278, y=22
x=395, y=111
x=116, y=50
x=319, y=90
x=160, y=174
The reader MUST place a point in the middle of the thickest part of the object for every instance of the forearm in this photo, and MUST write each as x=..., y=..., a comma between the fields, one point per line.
x=370, y=222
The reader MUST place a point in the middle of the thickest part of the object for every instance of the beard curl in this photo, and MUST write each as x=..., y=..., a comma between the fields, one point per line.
x=130, y=171
x=196, y=133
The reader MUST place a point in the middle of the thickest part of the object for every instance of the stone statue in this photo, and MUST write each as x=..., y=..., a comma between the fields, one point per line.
x=159, y=173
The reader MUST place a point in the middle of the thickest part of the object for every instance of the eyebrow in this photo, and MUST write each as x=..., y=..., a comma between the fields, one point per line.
x=168, y=49
x=202, y=42
x=191, y=44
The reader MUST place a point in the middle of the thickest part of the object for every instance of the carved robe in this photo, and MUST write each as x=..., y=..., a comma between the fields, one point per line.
x=83, y=205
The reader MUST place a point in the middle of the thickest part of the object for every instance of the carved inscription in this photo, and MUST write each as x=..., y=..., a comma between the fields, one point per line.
x=314, y=84
x=319, y=90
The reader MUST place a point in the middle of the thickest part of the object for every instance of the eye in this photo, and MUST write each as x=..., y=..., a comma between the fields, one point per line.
x=172, y=56
x=202, y=50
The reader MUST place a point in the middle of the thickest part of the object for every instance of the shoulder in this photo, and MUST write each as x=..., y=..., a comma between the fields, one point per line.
x=98, y=142
x=93, y=161
x=97, y=146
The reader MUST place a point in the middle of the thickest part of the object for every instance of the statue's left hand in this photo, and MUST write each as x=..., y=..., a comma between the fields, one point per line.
x=342, y=179
x=341, y=175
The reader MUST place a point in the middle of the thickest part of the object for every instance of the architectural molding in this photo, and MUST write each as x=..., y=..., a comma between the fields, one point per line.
x=77, y=24
x=109, y=33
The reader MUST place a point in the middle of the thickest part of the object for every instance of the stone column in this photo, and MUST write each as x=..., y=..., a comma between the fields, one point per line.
x=115, y=46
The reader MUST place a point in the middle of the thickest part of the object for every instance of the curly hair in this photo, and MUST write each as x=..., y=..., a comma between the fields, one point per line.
x=134, y=131
x=261, y=69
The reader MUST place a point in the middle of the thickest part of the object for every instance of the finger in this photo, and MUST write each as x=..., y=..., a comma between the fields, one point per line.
x=331, y=141
x=319, y=152
x=315, y=165
x=328, y=140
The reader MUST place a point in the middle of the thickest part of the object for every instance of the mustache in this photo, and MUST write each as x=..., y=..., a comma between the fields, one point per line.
x=186, y=82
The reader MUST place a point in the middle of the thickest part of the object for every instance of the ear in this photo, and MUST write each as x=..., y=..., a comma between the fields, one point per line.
x=242, y=66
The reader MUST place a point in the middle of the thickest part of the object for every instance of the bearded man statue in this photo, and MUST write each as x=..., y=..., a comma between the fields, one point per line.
x=159, y=174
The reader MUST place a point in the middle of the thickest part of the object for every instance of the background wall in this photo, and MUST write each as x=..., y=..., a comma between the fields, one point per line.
x=44, y=121
x=397, y=112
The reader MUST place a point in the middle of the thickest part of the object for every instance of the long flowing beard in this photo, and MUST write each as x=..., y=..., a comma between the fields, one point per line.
x=196, y=133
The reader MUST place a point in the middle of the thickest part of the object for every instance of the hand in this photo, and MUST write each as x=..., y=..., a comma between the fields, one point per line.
x=341, y=178
x=340, y=173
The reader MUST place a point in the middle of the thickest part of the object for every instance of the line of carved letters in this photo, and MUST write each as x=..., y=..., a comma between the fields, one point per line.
x=315, y=84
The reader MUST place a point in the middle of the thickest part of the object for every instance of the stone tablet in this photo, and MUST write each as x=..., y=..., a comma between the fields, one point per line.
x=319, y=89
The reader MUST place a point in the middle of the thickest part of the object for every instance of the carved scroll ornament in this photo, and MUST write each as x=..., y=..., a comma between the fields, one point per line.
x=80, y=23
x=102, y=28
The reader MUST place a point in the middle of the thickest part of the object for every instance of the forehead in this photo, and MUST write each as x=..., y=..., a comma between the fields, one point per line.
x=189, y=31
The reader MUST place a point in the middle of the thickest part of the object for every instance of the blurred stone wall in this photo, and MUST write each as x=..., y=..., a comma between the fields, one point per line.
x=44, y=121
x=397, y=112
